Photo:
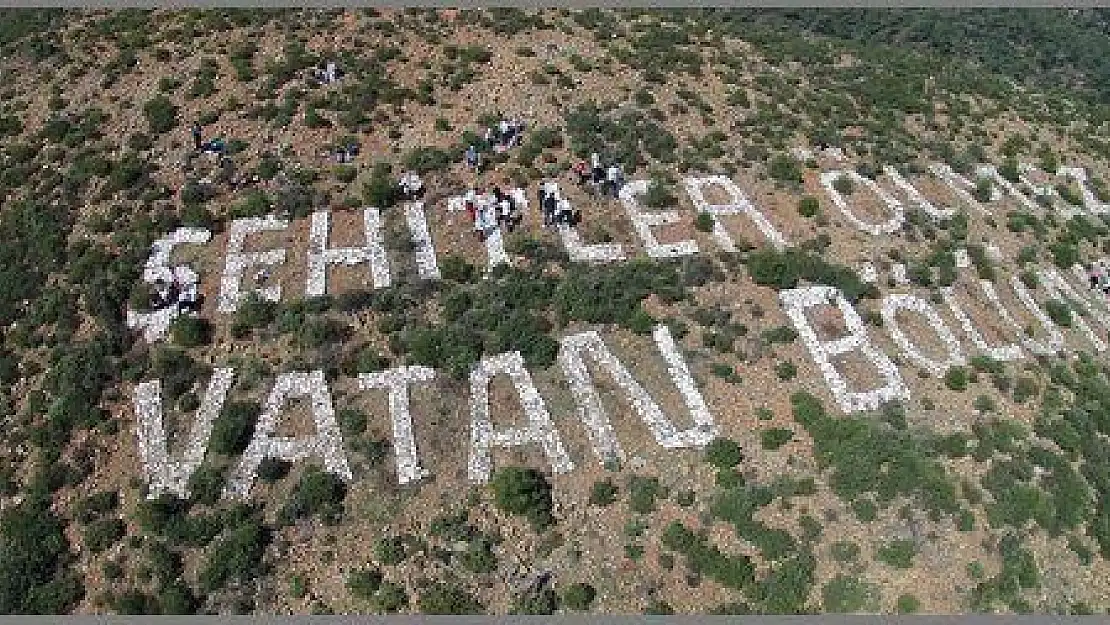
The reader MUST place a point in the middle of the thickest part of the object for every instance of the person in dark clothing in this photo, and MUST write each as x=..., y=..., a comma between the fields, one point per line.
x=196, y=137
x=549, y=206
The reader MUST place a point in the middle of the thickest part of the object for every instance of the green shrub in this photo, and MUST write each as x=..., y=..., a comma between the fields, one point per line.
x=775, y=438
x=786, y=370
x=390, y=550
x=233, y=429
x=318, y=493
x=444, y=598
x=844, y=551
x=188, y=331
x=845, y=595
x=536, y=601
x=704, y=222
x=161, y=114
x=1059, y=312
x=907, y=604
x=102, y=534
x=642, y=492
x=956, y=379
x=723, y=453
x=579, y=597
x=363, y=583
x=525, y=492
x=237, y=557
x=844, y=185
x=808, y=206
x=898, y=554
x=785, y=169
x=391, y=598
x=603, y=493
x=271, y=470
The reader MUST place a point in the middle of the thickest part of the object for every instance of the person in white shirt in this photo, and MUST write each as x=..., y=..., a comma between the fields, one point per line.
x=615, y=179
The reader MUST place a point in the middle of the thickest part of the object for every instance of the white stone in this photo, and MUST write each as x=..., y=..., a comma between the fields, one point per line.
x=796, y=302
x=890, y=226
x=165, y=474
x=326, y=443
x=644, y=221
x=236, y=261
x=426, y=266
x=397, y=382
x=963, y=260
x=898, y=272
x=1090, y=201
x=896, y=302
x=540, y=430
x=320, y=255
x=572, y=353
x=1001, y=187
x=1032, y=345
x=868, y=273
x=738, y=204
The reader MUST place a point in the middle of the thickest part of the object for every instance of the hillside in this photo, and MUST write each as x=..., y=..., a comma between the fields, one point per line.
x=830, y=348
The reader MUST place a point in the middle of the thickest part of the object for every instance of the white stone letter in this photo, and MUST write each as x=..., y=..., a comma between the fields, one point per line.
x=326, y=444
x=237, y=261
x=796, y=301
x=572, y=353
x=897, y=301
x=540, y=429
x=163, y=473
x=320, y=256
x=737, y=204
x=644, y=221
x=898, y=216
x=426, y=266
x=397, y=382
x=914, y=196
x=155, y=324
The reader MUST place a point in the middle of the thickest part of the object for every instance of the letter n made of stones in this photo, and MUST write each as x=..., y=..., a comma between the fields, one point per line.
x=572, y=354
x=796, y=302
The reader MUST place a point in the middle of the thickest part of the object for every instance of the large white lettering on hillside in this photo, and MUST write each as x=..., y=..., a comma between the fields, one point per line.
x=236, y=261
x=326, y=443
x=643, y=221
x=164, y=474
x=320, y=255
x=796, y=302
x=540, y=430
x=572, y=353
x=738, y=204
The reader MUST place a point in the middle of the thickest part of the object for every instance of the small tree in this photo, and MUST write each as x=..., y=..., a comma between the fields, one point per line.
x=161, y=114
x=524, y=492
x=579, y=597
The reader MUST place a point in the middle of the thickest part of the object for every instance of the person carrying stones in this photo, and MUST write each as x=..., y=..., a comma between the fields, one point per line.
x=473, y=159
x=598, y=170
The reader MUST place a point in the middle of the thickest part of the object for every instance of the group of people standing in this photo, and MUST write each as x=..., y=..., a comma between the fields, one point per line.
x=609, y=180
x=491, y=210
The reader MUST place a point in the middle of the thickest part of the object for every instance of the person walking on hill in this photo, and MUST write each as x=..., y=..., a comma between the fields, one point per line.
x=196, y=137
